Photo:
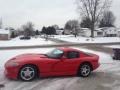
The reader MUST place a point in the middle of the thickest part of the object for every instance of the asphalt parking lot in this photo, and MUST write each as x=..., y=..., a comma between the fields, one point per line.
x=101, y=79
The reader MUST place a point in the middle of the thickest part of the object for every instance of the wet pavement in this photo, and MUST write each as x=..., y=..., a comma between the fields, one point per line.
x=106, y=77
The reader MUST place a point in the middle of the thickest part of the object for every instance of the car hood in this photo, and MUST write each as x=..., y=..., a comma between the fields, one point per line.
x=29, y=57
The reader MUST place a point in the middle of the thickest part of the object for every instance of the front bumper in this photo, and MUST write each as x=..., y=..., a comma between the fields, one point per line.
x=11, y=72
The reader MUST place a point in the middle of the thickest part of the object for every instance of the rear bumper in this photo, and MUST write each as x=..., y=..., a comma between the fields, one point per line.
x=96, y=65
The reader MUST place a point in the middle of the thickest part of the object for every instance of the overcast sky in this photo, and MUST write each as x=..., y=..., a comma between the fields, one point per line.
x=43, y=12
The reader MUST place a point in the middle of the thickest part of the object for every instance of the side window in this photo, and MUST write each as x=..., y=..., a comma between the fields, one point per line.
x=73, y=54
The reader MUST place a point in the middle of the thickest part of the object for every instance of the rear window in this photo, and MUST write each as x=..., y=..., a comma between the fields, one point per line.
x=73, y=54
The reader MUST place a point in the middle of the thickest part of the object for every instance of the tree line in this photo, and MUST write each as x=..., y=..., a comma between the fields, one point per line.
x=108, y=20
x=92, y=13
x=48, y=30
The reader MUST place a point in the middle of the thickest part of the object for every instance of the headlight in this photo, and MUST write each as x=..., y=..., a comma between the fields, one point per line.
x=12, y=64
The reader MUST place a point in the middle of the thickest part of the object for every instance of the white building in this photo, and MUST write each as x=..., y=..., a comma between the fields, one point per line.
x=110, y=31
x=118, y=34
x=99, y=32
x=86, y=32
x=67, y=32
x=4, y=34
x=59, y=32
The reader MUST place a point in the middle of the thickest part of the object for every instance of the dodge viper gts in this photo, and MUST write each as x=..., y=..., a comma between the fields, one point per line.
x=62, y=61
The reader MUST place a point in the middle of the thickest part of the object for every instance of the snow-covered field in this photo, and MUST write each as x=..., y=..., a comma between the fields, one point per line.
x=67, y=38
x=18, y=42
x=79, y=39
x=102, y=78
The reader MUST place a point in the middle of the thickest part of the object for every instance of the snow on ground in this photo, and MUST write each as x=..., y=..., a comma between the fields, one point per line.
x=102, y=78
x=113, y=46
x=79, y=39
x=18, y=42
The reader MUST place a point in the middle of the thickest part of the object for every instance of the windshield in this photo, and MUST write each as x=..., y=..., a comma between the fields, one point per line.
x=56, y=53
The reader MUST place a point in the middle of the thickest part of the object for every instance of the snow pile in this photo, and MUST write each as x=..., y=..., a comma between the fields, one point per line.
x=2, y=31
x=62, y=36
x=113, y=46
x=18, y=42
x=79, y=39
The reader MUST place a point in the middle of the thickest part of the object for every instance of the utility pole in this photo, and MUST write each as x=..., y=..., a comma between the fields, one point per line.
x=1, y=23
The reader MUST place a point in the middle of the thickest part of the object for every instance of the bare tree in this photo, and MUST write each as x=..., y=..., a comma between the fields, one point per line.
x=73, y=26
x=56, y=27
x=107, y=20
x=85, y=23
x=28, y=29
x=93, y=9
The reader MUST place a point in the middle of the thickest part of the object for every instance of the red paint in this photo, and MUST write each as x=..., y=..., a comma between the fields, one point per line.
x=51, y=67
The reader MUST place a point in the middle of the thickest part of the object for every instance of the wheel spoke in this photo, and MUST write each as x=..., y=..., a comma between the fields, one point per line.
x=27, y=73
x=85, y=70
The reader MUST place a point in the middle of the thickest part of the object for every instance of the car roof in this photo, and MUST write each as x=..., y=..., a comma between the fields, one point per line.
x=68, y=49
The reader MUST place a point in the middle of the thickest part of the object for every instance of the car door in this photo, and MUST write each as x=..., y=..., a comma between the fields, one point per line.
x=69, y=64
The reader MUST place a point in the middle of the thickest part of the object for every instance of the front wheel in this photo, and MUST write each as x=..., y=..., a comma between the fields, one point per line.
x=84, y=70
x=27, y=73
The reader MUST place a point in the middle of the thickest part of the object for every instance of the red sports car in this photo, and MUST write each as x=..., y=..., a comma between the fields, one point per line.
x=58, y=62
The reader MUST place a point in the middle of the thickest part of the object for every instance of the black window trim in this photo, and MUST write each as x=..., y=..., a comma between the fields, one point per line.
x=75, y=52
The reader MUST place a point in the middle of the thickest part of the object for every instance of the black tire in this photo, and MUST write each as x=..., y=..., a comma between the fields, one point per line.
x=30, y=71
x=84, y=70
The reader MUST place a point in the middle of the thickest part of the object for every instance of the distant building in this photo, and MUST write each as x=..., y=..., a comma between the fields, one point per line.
x=86, y=32
x=4, y=34
x=118, y=34
x=67, y=32
x=110, y=31
x=59, y=32
x=99, y=32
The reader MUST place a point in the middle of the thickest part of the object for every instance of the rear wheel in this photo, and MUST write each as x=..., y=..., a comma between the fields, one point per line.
x=84, y=70
x=28, y=73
